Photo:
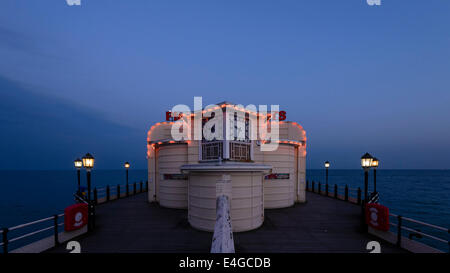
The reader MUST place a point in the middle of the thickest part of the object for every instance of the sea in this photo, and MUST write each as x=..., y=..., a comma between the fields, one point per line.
x=423, y=195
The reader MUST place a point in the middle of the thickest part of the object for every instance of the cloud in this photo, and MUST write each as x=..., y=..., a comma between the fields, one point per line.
x=43, y=132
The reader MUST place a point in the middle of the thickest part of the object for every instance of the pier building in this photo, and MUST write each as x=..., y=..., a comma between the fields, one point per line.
x=183, y=174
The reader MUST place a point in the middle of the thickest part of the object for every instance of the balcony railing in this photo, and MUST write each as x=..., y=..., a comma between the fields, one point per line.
x=240, y=151
x=212, y=150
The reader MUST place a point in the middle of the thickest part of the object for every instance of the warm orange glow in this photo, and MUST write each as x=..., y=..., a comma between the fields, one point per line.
x=366, y=161
x=375, y=162
x=88, y=161
x=78, y=163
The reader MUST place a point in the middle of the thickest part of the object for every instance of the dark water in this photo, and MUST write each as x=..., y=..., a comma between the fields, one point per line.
x=30, y=195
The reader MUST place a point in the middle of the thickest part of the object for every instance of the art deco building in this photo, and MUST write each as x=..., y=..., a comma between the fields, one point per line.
x=184, y=174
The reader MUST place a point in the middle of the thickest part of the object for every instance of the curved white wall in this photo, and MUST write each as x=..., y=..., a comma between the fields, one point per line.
x=172, y=193
x=280, y=193
x=247, y=209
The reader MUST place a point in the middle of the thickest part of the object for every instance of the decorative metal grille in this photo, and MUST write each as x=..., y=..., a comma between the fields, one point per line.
x=212, y=150
x=240, y=151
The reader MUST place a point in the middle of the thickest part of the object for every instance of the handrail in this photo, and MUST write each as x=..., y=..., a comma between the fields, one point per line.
x=425, y=224
x=5, y=242
x=30, y=234
x=420, y=222
x=424, y=234
x=31, y=223
x=400, y=227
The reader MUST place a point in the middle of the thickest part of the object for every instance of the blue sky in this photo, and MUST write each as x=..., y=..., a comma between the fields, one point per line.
x=94, y=78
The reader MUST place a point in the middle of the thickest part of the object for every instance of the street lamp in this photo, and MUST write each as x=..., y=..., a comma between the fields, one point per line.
x=127, y=165
x=88, y=163
x=78, y=164
x=366, y=163
x=375, y=163
x=327, y=165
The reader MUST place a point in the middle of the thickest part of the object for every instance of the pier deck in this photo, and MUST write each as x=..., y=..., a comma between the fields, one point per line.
x=321, y=225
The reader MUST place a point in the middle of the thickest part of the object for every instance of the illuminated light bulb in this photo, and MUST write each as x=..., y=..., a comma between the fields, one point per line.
x=366, y=161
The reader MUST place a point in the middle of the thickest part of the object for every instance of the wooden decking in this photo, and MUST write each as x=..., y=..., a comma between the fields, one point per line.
x=321, y=225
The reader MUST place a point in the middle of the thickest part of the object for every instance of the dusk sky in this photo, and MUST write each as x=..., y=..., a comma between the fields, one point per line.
x=94, y=78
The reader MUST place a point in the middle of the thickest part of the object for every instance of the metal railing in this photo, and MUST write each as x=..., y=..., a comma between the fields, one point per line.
x=55, y=227
x=212, y=150
x=109, y=193
x=101, y=195
x=400, y=226
x=345, y=193
x=240, y=151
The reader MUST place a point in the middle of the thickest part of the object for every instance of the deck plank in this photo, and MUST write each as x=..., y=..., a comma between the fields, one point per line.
x=322, y=225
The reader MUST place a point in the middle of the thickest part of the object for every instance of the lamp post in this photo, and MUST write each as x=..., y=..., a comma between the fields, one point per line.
x=375, y=163
x=127, y=165
x=327, y=165
x=78, y=164
x=88, y=163
x=366, y=163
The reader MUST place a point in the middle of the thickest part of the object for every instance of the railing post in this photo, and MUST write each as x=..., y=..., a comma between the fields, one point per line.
x=107, y=193
x=134, y=188
x=95, y=196
x=399, y=230
x=346, y=193
x=326, y=189
x=55, y=227
x=140, y=186
x=359, y=196
x=118, y=192
x=319, y=188
x=93, y=216
x=335, y=191
x=307, y=185
x=312, y=188
x=5, y=240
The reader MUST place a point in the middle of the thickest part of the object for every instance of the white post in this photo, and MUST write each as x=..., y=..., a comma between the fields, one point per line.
x=223, y=241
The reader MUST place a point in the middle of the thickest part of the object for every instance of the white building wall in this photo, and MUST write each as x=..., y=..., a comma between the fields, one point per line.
x=279, y=193
x=247, y=210
x=172, y=193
